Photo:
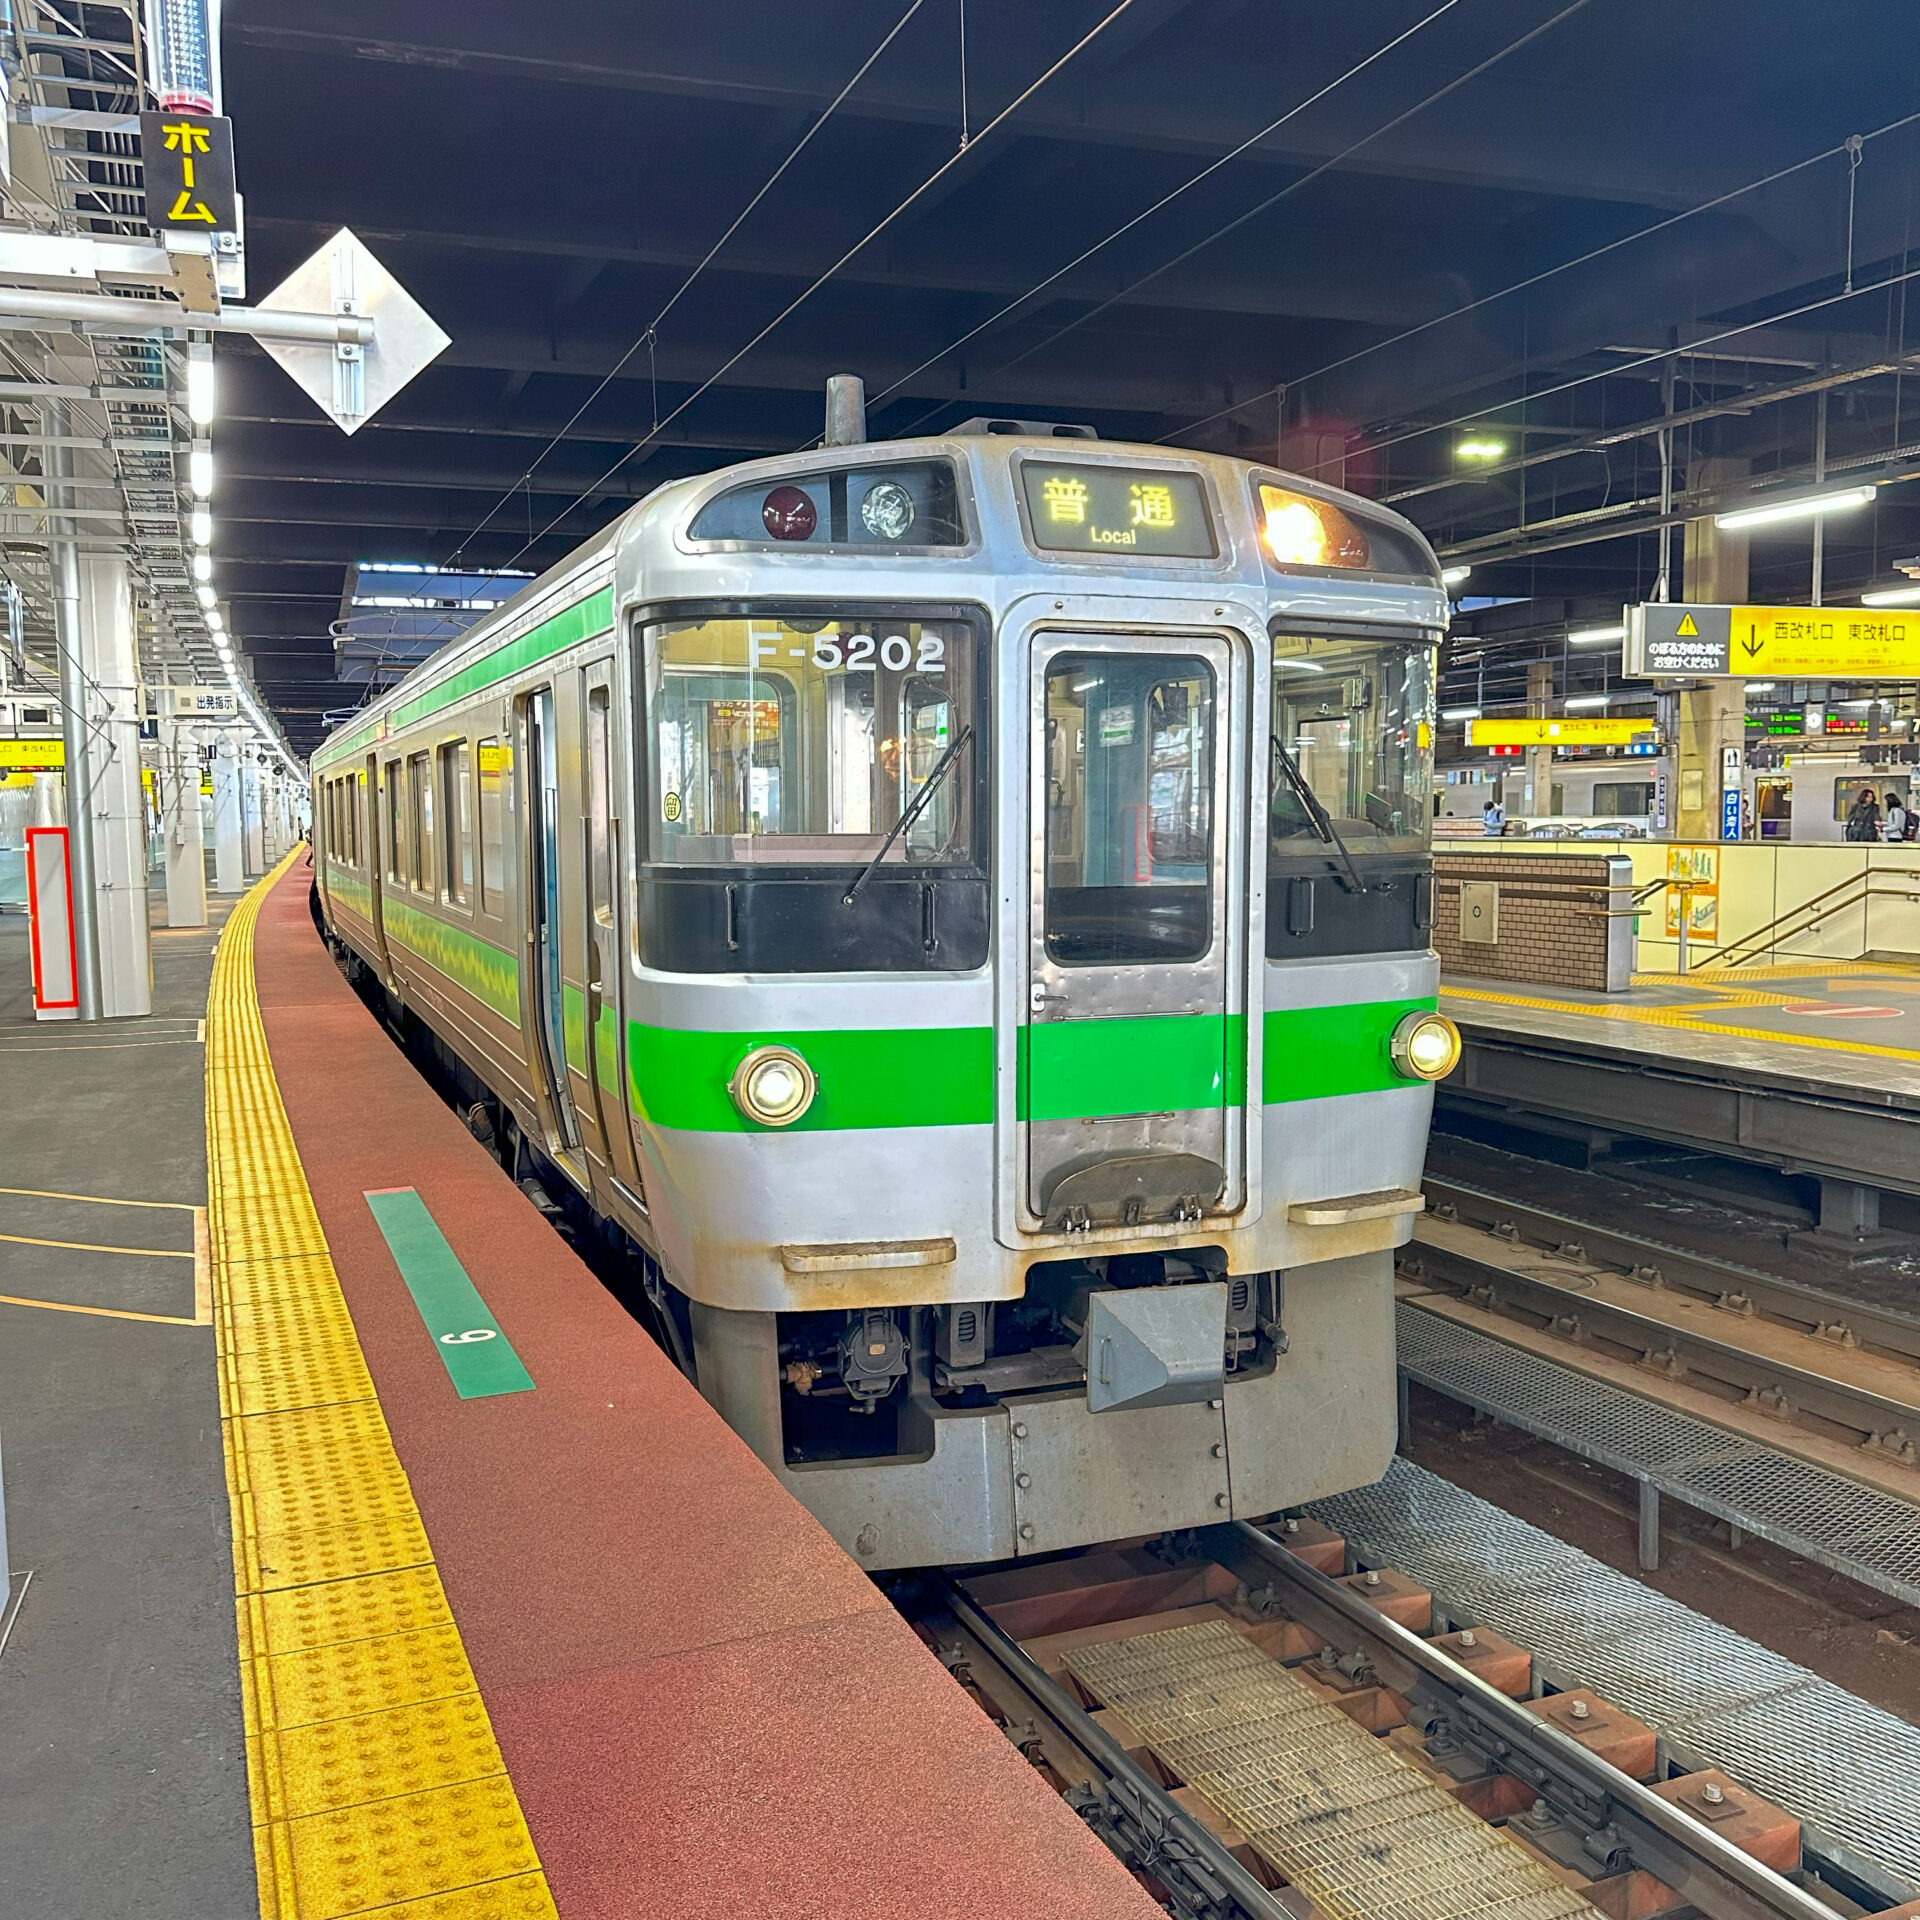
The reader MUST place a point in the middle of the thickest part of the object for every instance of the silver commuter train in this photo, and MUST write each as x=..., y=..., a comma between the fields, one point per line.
x=961, y=908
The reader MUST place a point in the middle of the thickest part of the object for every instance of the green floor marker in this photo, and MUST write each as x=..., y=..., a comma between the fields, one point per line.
x=477, y=1355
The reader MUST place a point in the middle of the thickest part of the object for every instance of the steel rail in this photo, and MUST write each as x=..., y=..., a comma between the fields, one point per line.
x=1619, y=1813
x=1123, y=1803
x=1654, y=1339
x=1877, y=1328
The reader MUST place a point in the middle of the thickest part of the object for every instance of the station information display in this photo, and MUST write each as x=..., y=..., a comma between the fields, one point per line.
x=1559, y=731
x=1818, y=643
x=1075, y=508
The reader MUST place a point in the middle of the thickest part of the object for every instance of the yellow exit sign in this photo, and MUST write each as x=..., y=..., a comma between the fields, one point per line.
x=1559, y=731
x=32, y=756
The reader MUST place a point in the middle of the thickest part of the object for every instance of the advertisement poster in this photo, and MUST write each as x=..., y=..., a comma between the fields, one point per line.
x=1697, y=871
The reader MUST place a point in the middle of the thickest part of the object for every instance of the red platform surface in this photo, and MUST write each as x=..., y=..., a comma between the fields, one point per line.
x=705, y=1706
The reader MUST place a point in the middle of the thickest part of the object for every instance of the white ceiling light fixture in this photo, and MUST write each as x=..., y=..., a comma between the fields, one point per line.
x=1452, y=576
x=200, y=525
x=216, y=621
x=203, y=565
x=1596, y=636
x=1459, y=713
x=1892, y=597
x=1585, y=700
x=200, y=470
x=200, y=395
x=1479, y=448
x=205, y=594
x=1808, y=506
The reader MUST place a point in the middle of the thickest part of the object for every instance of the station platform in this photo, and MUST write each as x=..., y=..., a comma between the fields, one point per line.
x=521, y=1627
x=1808, y=1066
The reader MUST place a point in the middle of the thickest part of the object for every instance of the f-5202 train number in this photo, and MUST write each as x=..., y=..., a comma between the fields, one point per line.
x=896, y=652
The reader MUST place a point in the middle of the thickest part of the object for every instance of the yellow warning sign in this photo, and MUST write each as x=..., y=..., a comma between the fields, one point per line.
x=1686, y=627
x=1559, y=731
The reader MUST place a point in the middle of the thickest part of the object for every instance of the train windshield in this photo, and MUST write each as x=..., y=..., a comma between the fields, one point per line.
x=1355, y=720
x=783, y=740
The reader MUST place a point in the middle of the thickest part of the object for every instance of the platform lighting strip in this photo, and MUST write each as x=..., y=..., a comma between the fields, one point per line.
x=201, y=408
x=1596, y=636
x=1892, y=597
x=1811, y=505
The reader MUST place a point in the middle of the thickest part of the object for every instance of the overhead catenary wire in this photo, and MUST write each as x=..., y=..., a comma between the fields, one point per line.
x=1293, y=187
x=1756, y=185
x=649, y=334
x=1167, y=199
x=866, y=239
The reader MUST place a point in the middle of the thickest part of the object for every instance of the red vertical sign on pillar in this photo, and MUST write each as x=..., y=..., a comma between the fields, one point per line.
x=56, y=961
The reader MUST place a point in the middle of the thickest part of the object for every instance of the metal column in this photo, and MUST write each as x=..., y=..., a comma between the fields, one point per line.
x=181, y=835
x=254, y=846
x=65, y=558
x=229, y=865
x=110, y=662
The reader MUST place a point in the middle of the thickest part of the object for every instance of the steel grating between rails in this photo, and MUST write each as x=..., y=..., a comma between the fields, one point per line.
x=1867, y=1535
x=1847, y=1770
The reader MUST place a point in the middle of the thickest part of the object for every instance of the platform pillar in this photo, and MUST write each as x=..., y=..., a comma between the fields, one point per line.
x=229, y=864
x=181, y=837
x=114, y=803
x=1539, y=759
x=1712, y=724
x=253, y=847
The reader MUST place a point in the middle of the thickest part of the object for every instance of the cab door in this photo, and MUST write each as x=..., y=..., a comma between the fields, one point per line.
x=365, y=796
x=1133, y=1069
x=605, y=867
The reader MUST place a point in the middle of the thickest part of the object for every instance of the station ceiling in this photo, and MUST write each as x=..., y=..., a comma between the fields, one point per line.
x=1352, y=289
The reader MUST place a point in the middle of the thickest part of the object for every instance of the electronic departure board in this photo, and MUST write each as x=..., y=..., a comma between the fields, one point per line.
x=1123, y=511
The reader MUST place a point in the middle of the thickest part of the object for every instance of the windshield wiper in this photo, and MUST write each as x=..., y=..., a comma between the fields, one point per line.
x=1321, y=818
x=915, y=809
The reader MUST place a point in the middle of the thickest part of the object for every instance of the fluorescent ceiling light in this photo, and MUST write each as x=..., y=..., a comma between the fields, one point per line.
x=1477, y=449
x=200, y=524
x=203, y=565
x=1596, y=636
x=1452, y=576
x=1459, y=713
x=1842, y=500
x=200, y=471
x=1892, y=597
x=1759, y=686
x=1588, y=700
x=1296, y=666
x=200, y=385
x=205, y=594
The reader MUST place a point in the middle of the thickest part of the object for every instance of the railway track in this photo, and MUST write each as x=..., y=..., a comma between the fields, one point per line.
x=1259, y=1733
x=1812, y=1372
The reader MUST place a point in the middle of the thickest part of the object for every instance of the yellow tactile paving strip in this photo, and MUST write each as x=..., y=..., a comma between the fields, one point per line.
x=376, y=1782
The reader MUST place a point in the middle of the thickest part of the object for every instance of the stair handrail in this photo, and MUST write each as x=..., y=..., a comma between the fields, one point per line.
x=1822, y=906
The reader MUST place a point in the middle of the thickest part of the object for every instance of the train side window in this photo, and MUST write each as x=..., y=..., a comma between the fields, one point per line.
x=396, y=813
x=420, y=820
x=496, y=767
x=456, y=821
x=357, y=796
x=599, y=808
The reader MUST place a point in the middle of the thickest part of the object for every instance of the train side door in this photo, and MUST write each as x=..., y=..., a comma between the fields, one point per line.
x=605, y=977
x=1133, y=1060
x=365, y=795
x=546, y=980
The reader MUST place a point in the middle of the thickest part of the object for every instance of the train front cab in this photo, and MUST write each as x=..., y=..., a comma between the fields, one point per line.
x=1204, y=1131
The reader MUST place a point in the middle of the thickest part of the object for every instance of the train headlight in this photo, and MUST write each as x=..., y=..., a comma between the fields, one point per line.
x=1304, y=532
x=773, y=1086
x=1426, y=1046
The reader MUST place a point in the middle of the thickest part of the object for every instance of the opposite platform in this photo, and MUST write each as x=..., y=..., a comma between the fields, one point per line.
x=654, y=1684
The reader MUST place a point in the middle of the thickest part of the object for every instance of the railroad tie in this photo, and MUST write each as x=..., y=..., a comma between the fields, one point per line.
x=1358, y=1829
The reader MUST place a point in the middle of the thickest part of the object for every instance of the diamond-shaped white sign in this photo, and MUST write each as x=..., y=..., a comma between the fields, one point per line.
x=352, y=383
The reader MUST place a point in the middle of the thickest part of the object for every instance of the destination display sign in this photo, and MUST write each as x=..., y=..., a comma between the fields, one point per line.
x=1817, y=643
x=1119, y=510
x=1559, y=731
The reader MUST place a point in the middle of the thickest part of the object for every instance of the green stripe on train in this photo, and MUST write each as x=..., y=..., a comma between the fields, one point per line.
x=944, y=1076
x=487, y=972
x=553, y=635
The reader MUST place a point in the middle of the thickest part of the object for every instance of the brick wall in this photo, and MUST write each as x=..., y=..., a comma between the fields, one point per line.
x=1552, y=914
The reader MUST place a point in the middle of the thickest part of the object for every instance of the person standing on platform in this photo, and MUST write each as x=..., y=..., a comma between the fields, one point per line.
x=1896, y=826
x=1493, y=820
x=1863, y=817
